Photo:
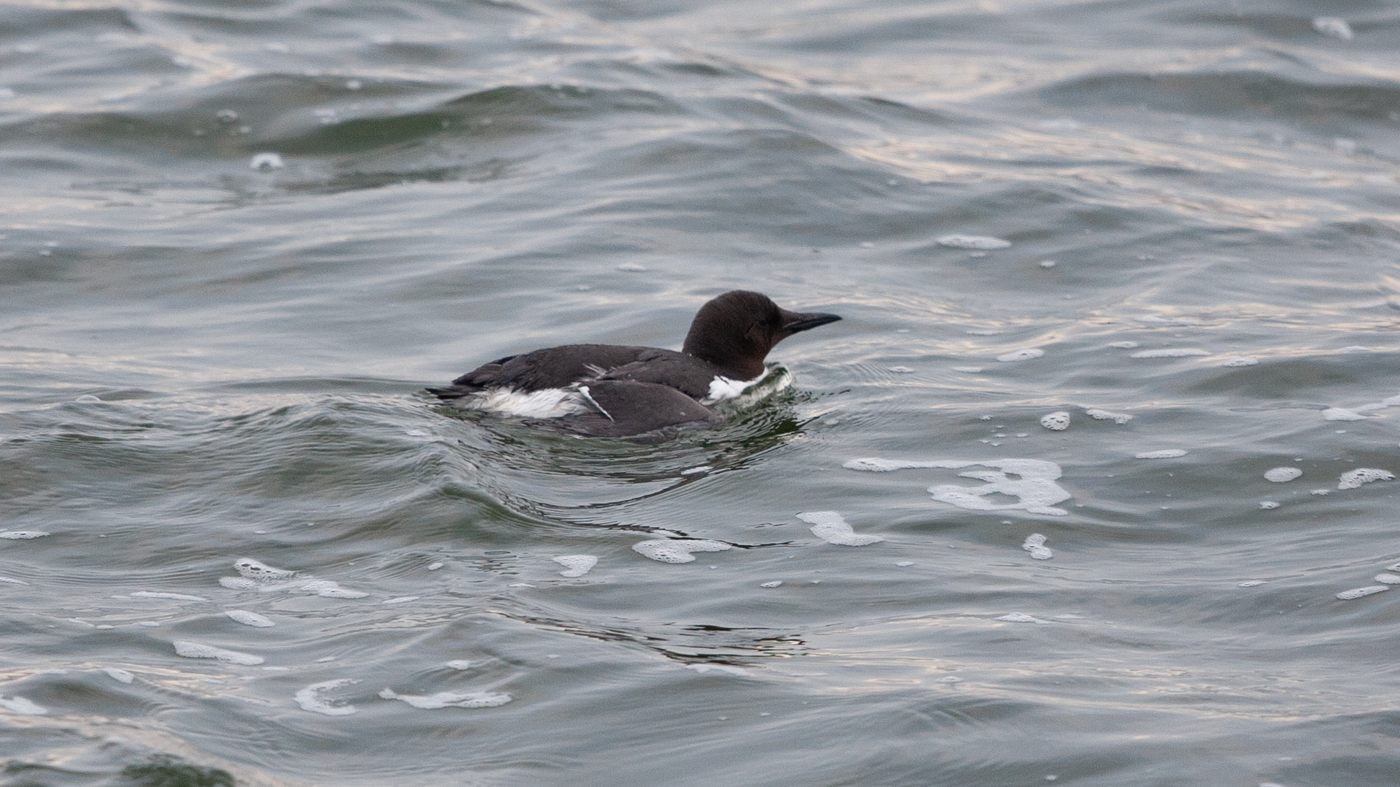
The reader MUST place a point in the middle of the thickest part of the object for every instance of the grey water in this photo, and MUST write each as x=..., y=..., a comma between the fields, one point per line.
x=1087, y=487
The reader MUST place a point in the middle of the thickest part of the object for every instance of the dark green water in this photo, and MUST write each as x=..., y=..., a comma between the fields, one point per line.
x=205, y=362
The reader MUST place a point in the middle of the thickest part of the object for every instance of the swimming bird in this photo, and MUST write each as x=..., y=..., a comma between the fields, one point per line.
x=621, y=390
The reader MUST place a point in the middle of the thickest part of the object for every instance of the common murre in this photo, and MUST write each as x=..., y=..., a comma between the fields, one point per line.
x=619, y=390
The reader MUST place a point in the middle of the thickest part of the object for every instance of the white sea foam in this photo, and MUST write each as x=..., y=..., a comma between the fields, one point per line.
x=1342, y=414
x=1387, y=579
x=311, y=699
x=1268, y=505
x=168, y=596
x=1282, y=475
x=449, y=699
x=1035, y=544
x=1057, y=421
x=977, y=242
x=1108, y=415
x=1169, y=352
x=1123, y=345
x=1033, y=487
x=330, y=589
x=724, y=668
x=249, y=618
x=1333, y=27
x=1020, y=355
x=901, y=370
x=399, y=600
x=1363, y=475
x=774, y=584
x=22, y=535
x=1355, y=593
x=576, y=565
x=266, y=162
x=259, y=571
x=1168, y=453
x=434, y=566
x=832, y=528
x=12, y=581
x=21, y=706
x=1250, y=583
x=119, y=675
x=195, y=650
x=1239, y=360
x=677, y=550
x=1020, y=617
x=459, y=664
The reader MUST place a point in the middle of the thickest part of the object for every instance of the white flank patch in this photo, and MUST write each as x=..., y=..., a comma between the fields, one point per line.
x=723, y=389
x=546, y=403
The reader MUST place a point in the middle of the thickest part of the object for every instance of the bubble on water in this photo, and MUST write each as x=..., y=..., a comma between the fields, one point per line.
x=677, y=550
x=195, y=650
x=1020, y=617
x=249, y=618
x=1170, y=352
x=21, y=706
x=311, y=699
x=266, y=162
x=1342, y=414
x=1282, y=475
x=1020, y=355
x=258, y=571
x=1057, y=421
x=1363, y=475
x=1169, y=453
x=1108, y=415
x=434, y=566
x=576, y=565
x=1035, y=544
x=119, y=675
x=832, y=528
x=774, y=584
x=724, y=668
x=1034, y=487
x=168, y=596
x=1123, y=345
x=1047, y=263
x=1333, y=27
x=1239, y=360
x=23, y=535
x=459, y=664
x=977, y=242
x=226, y=116
x=905, y=563
x=1387, y=579
x=449, y=699
x=330, y=589
x=1268, y=505
x=1321, y=492
x=1250, y=583
x=1355, y=593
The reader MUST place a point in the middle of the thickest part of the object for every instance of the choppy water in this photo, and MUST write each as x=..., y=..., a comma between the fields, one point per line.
x=239, y=238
